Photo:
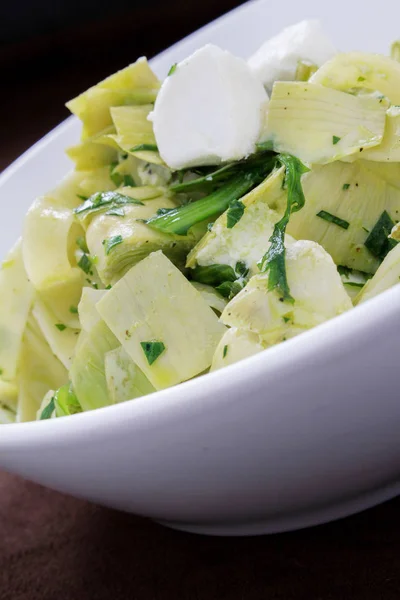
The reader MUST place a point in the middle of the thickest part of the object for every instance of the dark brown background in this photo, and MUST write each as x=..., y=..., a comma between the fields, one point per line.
x=57, y=548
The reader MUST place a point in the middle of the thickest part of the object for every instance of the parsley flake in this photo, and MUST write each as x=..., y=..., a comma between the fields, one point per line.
x=327, y=216
x=335, y=139
x=152, y=350
x=110, y=243
x=235, y=213
x=61, y=326
x=172, y=69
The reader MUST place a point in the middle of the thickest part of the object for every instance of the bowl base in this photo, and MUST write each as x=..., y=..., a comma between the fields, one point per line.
x=291, y=522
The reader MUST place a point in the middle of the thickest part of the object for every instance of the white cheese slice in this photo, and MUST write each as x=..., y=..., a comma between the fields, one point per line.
x=208, y=110
x=278, y=57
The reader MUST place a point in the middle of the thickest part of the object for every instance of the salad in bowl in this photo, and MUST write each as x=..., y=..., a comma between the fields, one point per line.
x=208, y=217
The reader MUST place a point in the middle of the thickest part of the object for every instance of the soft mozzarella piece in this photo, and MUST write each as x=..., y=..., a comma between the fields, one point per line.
x=209, y=110
x=278, y=57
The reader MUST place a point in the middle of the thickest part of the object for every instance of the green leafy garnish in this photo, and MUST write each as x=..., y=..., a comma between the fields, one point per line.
x=73, y=310
x=327, y=216
x=378, y=242
x=85, y=264
x=354, y=284
x=241, y=269
x=48, y=410
x=273, y=260
x=83, y=198
x=345, y=271
x=104, y=200
x=264, y=146
x=234, y=213
x=180, y=220
x=346, y=186
x=225, y=351
x=152, y=350
x=128, y=181
x=172, y=69
x=144, y=148
x=111, y=242
x=335, y=139
x=61, y=326
x=115, y=177
x=361, y=78
x=229, y=289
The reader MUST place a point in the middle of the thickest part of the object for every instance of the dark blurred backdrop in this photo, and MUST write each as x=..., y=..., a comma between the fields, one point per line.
x=51, y=50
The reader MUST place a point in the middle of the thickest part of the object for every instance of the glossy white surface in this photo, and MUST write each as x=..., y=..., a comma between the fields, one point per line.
x=302, y=433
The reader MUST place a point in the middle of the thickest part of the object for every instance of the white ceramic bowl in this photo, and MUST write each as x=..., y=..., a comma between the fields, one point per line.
x=302, y=433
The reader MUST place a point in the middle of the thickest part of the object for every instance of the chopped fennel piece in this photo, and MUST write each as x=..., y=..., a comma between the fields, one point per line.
x=315, y=286
x=302, y=116
x=88, y=369
x=65, y=401
x=15, y=302
x=354, y=71
x=39, y=370
x=48, y=243
x=62, y=340
x=278, y=58
x=7, y=416
x=387, y=275
x=136, y=84
x=194, y=127
x=138, y=239
x=154, y=301
x=235, y=345
x=125, y=380
x=91, y=155
x=134, y=133
x=389, y=149
x=248, y=240
x=373, y=188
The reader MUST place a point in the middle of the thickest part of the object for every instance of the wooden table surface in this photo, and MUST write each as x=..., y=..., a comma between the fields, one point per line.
x=54, y=547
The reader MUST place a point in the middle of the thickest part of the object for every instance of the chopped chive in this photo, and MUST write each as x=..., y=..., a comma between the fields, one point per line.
x=323, y=214
x=335, y=139
x=83, y=198
x=111, y=242
x=152, y=350
x=73, y=310
x=61, y=326
x=365, y=229
x=346, y=186
x=144, y=148
x=213, y=274
x=172, y=69
x=235, y=213
x=225, y=351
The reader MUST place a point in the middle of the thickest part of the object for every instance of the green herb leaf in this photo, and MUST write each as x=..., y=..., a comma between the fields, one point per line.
x=378, y=242
x=144, y=148
x=213, y=274
x=105, y=200
x=327, y=216
x=172, y=69
x=361, y=78
x=234, y=213
x=48, y=410
x=180, y=220
x=61, y=326
x=116, y=178
x=152, y=350
x=273, y=260
x=225, y=351
x=241, y=269
x=346, y=186
x=345, y=271
x=83, y=198
x=210, y=226
x=85, y=264
x=335, y=139
x=73, y=310
x=111, y=242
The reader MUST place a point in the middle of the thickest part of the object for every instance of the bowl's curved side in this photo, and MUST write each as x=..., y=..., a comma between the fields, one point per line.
x=310, y=423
